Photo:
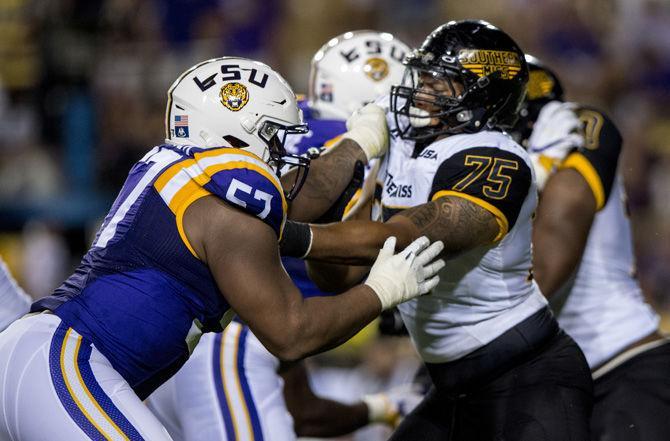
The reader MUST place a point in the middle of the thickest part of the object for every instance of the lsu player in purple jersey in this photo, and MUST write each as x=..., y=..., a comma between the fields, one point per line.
x=190, y=241
x=255, y=396
x=584, y=261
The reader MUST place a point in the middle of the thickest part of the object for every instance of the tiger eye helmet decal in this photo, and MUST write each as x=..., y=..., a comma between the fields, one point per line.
x=234, y=96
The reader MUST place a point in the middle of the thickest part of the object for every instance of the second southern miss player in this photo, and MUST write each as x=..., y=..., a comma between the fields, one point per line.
x=583, y=250
x=501, y=366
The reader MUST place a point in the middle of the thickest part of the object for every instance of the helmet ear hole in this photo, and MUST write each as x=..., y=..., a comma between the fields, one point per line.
x=268, y=131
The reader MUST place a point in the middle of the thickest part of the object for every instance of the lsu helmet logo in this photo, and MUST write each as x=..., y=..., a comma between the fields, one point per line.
x=483, y=62
x=234, y=96
x=376, y=69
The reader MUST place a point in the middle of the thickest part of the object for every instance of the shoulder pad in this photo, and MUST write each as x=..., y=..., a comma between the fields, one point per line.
x=235, y=176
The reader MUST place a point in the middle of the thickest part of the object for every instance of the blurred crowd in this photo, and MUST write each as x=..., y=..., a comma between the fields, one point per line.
x=83, y=86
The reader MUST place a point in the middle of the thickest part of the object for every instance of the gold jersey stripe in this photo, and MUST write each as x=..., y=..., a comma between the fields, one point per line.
x=583, y=166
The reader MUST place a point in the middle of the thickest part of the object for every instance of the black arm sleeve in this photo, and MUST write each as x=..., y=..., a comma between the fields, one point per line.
x=495, y=179
x=598, y=158
x=337, y=211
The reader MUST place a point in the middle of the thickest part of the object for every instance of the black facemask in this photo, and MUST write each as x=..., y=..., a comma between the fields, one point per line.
x=274, y=134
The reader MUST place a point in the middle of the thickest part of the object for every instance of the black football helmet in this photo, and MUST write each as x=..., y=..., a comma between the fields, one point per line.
x=482, y=74
x=543, y=86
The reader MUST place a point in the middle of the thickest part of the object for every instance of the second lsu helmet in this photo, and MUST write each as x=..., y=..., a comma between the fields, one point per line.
x=236, y=102
x=483, y=76
x=353, y=69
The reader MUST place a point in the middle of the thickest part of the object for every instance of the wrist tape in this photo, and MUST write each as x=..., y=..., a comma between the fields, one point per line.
x=296, y=240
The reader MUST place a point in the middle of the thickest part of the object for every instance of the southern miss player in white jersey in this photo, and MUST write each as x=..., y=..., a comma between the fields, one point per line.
x=13, y=301
x=501, y=366
x=191, y=238
x=231, y=381
x=583, y=250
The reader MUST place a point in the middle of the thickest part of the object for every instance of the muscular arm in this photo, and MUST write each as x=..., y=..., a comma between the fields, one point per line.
x=328, y=176
x=561, y=228
x=459, y=223
x=337, y=278
x=331, y=277
x=241, y=252
x=315, y=416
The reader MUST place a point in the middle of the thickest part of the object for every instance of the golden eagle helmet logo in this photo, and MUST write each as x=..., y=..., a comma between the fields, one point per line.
x=234, y=96
x=483, y=62
x=376, y=69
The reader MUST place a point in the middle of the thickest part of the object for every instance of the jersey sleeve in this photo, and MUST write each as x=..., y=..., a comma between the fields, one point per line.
x=249, y=184
x=237, y=177
x=598, y=158
x=494, y=179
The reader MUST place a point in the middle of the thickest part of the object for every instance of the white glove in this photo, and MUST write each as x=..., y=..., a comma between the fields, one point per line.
x=556, y=132
x=392, y=406
x=408, y=274
x=367, y=126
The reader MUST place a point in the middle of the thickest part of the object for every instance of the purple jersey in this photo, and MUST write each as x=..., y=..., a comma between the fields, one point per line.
x=141, y=290
x=322, y=132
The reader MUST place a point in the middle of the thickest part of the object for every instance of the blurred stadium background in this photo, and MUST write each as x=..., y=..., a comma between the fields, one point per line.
x=83, y=86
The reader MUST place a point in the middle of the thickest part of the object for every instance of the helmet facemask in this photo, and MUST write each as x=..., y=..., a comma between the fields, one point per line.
x=423, y=112
x=486, y=65
x=274, y=135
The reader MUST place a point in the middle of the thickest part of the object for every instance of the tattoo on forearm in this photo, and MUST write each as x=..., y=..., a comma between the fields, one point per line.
x=459, y=223
x=330, y=174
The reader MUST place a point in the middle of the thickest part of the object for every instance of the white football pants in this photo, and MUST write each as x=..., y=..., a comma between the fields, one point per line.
x=56, y=386
x=228, y=390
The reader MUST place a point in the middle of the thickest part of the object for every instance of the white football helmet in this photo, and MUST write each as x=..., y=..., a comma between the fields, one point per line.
x=233, y=102
x=353, y=69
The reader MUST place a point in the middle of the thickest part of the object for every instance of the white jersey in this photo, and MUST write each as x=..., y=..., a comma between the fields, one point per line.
x=605, y=311
x=13, y=301
x=487, y=290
